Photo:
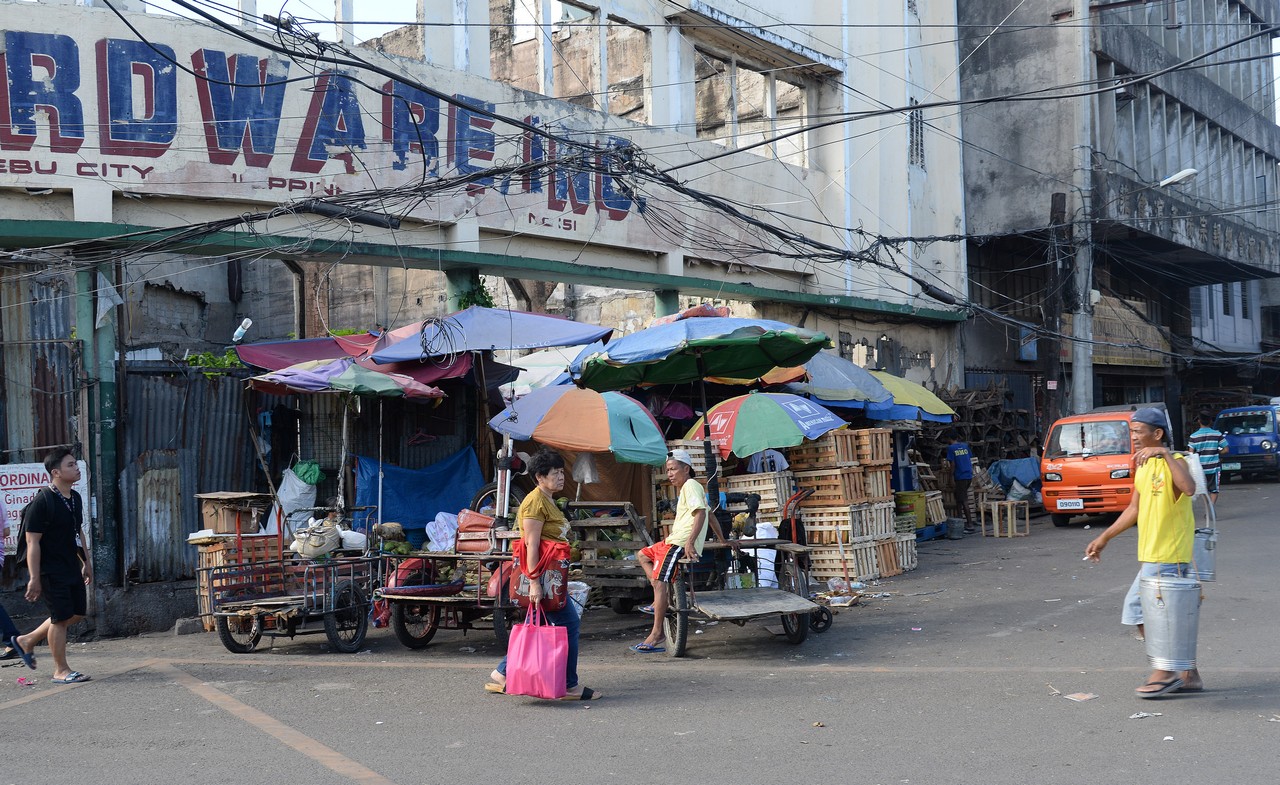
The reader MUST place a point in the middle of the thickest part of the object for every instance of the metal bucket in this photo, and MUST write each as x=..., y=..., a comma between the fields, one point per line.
x=1171, y=620
x=1204, y=555
x=955, y=528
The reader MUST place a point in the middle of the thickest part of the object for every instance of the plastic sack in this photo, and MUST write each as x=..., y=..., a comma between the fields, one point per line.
x=353, y=541
x=441, y=532
x=296, y=498
x=1018, y=492
x=537, y=657
x=309, y=472
x=319, y=540
x=579, y=592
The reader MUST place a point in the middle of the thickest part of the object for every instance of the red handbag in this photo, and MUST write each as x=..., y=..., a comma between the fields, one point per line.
x=552, y=571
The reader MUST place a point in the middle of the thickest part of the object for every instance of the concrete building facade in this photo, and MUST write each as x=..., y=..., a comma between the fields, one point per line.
x=1083, y=181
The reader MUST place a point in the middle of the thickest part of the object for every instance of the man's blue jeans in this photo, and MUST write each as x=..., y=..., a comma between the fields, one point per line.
x=1131, y=613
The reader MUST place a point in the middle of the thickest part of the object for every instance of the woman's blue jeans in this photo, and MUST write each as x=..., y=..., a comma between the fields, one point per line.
x=568, y=618
x=7, y=628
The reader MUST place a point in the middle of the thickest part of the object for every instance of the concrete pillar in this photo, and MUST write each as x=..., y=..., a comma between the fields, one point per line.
x=343, y=15
x=666, y=302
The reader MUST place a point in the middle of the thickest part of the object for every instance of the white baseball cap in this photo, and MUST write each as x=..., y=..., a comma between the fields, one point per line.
x=682, y=456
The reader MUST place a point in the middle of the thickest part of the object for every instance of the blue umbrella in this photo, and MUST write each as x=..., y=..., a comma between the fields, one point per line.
x=833, y=378
x=482, y=329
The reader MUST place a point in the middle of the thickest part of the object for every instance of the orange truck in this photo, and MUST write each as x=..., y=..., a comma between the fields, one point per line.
x=1086, y=467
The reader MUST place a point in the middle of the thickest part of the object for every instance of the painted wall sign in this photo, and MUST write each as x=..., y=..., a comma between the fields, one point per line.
x=19, y=483
x=138, y=114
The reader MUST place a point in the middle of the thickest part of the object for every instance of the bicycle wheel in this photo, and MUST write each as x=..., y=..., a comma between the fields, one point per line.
x=676, y=624
x=795, y=625
x=348, y=622
x=414, y=625
x=238, y=635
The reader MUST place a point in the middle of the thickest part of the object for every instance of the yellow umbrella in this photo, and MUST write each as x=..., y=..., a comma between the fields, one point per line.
x=912, y=394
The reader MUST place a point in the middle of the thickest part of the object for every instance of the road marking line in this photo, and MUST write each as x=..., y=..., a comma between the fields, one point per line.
x=326, y=756
x=58, y=689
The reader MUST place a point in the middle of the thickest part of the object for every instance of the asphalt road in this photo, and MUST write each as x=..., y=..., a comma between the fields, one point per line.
x=957, y=676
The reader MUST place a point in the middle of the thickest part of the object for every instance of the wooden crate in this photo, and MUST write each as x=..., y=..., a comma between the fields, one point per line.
x=251, y=549
x=934, y=510
x=874, y=445
x=858, y=557
x=697, y=452
x=774, y=488
x=873, y=520
x=828, y=525
x=877, y=484
x=832, y=487
x=834, y=450
x=904, y=523
x=907, y=557
x=887, y=558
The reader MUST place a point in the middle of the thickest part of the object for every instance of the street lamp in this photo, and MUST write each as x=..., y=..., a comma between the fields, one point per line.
x=1184, y=176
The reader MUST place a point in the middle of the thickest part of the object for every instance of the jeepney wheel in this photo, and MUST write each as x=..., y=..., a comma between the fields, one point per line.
x=414, y=624
x=676, y=624
x=238, y=634
x=1059, y=519
x=348, y=621
x=821, y=619
x=488, y=497
x=795, y=625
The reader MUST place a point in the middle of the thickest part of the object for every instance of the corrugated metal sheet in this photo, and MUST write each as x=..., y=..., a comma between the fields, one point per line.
x=40, y=364
x=182, y=434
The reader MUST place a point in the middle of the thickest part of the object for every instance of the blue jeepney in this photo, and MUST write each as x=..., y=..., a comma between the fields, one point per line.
x=1253, y=443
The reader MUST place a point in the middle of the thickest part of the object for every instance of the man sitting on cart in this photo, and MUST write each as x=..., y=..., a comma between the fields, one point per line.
x=688, y=533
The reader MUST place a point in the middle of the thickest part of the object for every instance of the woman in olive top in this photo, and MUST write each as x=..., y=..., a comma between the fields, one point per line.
x=540, y=520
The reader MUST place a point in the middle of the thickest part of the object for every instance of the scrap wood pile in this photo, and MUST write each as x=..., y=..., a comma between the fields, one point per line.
x=986, y=420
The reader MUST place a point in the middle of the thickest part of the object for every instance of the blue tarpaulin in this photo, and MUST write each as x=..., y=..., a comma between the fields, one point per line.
x=412, y=497
x=1024, y=470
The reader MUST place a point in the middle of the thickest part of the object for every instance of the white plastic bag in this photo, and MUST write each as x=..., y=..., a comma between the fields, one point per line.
x=296, y=500
x=1019, y=492
x=441, y=532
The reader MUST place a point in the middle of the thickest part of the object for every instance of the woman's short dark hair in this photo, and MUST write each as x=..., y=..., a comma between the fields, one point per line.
x=54, y=459
x=545, y=461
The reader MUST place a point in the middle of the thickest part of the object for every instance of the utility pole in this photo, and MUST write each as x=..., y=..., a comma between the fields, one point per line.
x=1082, y=319
x=1053, y=310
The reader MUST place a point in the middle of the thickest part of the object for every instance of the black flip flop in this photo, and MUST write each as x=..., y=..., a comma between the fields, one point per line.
x=586, y=695
x=1166, y=687
x=26, y=656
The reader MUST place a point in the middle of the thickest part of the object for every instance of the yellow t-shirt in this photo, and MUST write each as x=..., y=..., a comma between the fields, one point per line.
x=541, y=507
x=1166, y=528
x=693, y=497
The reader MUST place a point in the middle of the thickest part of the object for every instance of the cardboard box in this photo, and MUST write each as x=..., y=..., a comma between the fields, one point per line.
x=221, y=511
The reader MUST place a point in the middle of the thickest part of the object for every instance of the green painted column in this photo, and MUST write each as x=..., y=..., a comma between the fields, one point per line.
x=459, y=283
x=666, y=302
x=101, y=452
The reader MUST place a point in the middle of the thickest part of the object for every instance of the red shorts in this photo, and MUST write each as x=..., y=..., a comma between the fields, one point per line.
x=666, y=557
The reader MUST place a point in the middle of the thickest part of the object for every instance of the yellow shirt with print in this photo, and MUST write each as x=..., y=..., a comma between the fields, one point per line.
x=1166, y=528
x=693, y=497
x=541, y=507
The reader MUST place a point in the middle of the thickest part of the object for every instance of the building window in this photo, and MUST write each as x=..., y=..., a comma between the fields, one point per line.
x=915, y=136
x=1226, y=299
x=740, y=104
x=1197, y=306
x=1244, y=299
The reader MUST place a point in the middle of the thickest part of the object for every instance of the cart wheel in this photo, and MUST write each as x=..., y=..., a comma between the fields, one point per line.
x=488, y=497
x=504, y=619
x=795, y=625
x=238, y=635
x=820, y=620
x=623, y=605
x=415, y=625
x=347, y=623
x=676, y=625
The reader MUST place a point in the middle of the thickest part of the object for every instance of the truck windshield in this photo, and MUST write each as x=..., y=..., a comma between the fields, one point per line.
x=1245, y=422
x=1109, y=437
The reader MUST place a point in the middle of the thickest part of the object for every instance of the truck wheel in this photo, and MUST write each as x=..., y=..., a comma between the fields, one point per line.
x=1059, y=519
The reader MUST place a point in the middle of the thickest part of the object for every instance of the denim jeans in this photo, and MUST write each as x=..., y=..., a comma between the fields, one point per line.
x=7, y=630
x=1131, y=612
x=566, y=617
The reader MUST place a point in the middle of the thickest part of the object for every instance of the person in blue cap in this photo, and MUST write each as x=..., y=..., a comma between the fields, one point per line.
x=1161, y=508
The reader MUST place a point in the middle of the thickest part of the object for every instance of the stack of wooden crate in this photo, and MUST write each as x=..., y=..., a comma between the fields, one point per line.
x=875, y=454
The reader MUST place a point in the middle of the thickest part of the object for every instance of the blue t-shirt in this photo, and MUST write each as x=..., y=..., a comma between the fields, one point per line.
x=961, y=460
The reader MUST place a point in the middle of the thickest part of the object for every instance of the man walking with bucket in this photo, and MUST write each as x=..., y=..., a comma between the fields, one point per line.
x=1161, y=509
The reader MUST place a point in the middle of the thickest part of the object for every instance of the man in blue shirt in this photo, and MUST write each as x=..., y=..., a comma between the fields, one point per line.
x=1209, y=444
x=960, y=458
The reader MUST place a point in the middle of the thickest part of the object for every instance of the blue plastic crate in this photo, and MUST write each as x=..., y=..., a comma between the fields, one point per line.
x=416, y=537
x=931, y=532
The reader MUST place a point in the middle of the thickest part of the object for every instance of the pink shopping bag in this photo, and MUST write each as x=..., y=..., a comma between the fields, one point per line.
x=536, y=658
